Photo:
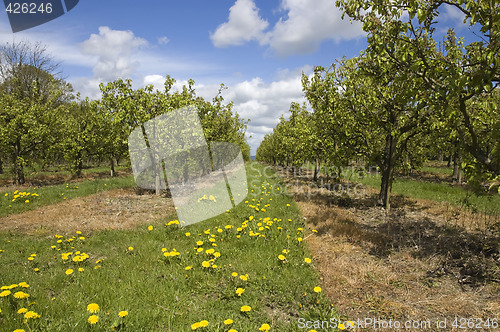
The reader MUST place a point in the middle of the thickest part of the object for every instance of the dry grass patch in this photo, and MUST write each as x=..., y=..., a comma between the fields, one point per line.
x=113, y=209
x=412, y=264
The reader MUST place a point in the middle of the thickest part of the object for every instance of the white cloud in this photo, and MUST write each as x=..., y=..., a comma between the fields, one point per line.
x=308, y=24
x=264, y=103
x=244, y=24
x=452, y=13
x=163, y=40
x=301, y=31
x=113, y=49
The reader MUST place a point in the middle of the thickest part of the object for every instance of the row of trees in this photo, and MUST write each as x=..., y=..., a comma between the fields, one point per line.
x=403, y=99
x=42, y=122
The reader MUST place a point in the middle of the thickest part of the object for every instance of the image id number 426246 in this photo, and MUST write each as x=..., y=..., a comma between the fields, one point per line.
x=29, y=8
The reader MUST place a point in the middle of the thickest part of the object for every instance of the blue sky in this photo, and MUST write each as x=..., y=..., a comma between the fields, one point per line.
x=258, y=48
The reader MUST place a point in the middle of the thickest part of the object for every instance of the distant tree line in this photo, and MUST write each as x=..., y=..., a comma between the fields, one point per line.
x=404, y=99
x=43, y=122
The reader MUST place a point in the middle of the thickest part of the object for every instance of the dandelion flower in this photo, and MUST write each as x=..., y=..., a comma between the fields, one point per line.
x=205, y=264
x=5, y=293
x=307, y=260
x=234, y=274
x=245, y=308
x=130, y=248
x=196, y=325
x=31, y=315
x=69, y=271
x=93, y=308
x=228, y=321
x=23, y=284
x=200, y=243
x=81, y=269
x=240, y=291
x=188, y=234
x=22, y=311
x=204, y=323
x=150, y=227
x=243, y=277
x=93, y=319
x=21, y=295
x=123, y=313
x=317, y=289
x=19, y=330
x=265, y=327
x=281, y=257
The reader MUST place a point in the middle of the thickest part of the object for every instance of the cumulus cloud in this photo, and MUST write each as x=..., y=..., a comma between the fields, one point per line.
x=113, y=49
x=244, y=24
x=264, y=103
x=300, y=31
x=308, y=24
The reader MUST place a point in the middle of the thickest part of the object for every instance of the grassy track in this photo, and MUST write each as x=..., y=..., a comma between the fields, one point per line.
x=29, y=199
x=128, y=271
x=441, y=192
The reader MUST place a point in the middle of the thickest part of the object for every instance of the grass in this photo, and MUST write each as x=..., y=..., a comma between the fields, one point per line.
x=127, y=270
x=441, y=192
x=36, y=171
x=54, y=194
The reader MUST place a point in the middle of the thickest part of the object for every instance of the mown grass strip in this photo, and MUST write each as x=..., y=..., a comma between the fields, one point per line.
x=139, y=271
x=440, y=192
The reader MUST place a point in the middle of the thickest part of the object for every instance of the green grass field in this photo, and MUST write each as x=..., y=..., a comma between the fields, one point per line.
x=168, y=278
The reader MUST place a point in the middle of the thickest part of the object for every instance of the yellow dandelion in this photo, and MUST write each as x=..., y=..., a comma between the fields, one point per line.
x=69, y=271
x=187, y=268
x=243, y=277
x=240, y=291
x=22, y=311
x=204, y=323
x=93, y=319
x=317, y=289
x=265, y=327
x=234, y=274
x=228, y=321
x=123, y=313
x=93, y=308
x=196, y=325
x=188, y=234
x=130, y=248
x=205, y=264
x=307, y=260
x=200, y=243
x=281, y=257
x=21, y=295
x=245, y=308
x=150, y=227
x=31, y=315
x=23, y=285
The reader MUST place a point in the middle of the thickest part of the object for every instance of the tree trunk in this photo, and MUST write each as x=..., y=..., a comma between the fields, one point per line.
x=112, y=165
x=316, y=170
x=1, y=165
x=18, y=165
x=456, y=169
x=389, y=162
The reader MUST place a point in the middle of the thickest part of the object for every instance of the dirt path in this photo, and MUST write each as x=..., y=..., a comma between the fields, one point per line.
x=113, y=209
x=410, y=265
